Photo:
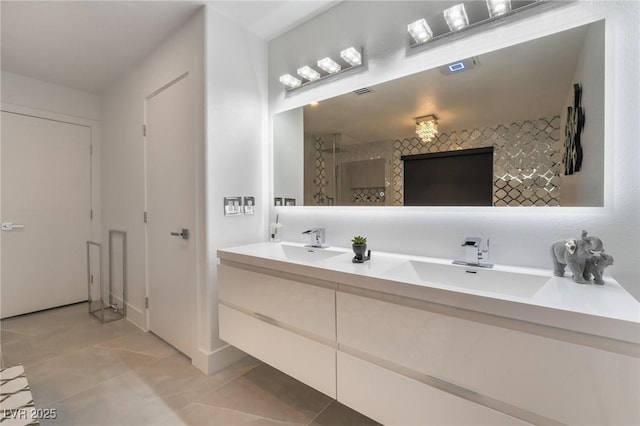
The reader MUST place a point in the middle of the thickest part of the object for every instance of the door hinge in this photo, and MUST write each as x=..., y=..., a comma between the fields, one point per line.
x=144, y=130
x=145, y=217
x=90, y=149
x=91, y=279
x=91, y=214
x=146, y=303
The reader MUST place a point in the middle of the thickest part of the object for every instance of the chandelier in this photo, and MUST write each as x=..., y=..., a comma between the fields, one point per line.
x=427, y=127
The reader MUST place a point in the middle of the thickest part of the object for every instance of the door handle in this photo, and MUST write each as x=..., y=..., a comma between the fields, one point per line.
x=184, y=234
x=10, y=226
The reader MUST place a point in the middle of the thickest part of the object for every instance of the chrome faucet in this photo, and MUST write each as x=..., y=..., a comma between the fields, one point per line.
x=474, y=254
x=317, y=236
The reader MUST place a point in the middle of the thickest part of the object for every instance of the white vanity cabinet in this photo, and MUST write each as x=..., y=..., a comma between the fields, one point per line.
x=408, y=354
x=288, y=324
x=507, y=366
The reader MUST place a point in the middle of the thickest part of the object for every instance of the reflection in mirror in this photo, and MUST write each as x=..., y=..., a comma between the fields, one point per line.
x=349, y=150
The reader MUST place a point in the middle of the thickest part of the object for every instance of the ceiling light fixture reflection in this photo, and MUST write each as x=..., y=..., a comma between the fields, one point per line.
x=308, y=73
x=498, y=7
x=427, y=127
x=352, y=56
x=456, y=17
x=290, y=81
x=420, y=31
x=329, y=65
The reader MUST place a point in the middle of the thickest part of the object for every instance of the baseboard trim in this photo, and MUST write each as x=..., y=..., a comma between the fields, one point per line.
x=137, y=317
x=210, y=363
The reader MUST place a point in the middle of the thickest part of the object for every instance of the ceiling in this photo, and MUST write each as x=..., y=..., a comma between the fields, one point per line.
x=518, y=83
x=87, y=45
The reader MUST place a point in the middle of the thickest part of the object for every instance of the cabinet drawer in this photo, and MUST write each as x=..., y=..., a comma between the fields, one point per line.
x=303, y=359
x=303, y=306
x=393, y=399
x=563, y=381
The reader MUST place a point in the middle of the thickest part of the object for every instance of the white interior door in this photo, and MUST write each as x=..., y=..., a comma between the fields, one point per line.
x=46, y=205
x=171, y=201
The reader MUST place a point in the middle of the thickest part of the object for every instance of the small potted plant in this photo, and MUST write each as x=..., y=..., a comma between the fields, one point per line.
x=359, y=245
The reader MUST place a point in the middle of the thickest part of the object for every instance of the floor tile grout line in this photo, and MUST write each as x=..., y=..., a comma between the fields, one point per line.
x=257, y=416
x=321, y=411
x=226, y=383
x=103, y=381
x=81, y=348
x=50, y=405
x=134, y=371
x=84, y=348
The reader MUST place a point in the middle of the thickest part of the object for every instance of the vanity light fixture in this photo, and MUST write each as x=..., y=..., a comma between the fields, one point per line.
x=308, y=73
x=290, y=81
x=329, y=65
x=420, y=31
x=456, y=17
x=352, y=56
x=498, y=7
x=427, y=127
x=459, y=23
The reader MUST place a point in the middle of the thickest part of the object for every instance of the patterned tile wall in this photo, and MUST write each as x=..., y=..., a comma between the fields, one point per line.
x=527, y=161
x=367, y=196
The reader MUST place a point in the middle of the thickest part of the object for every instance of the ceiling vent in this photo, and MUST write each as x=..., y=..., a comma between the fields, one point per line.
x=363, y=91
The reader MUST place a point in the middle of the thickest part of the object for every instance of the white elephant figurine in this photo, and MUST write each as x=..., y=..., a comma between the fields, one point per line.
x=575, y=253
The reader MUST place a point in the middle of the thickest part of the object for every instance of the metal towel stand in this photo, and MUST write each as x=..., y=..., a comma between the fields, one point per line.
x=115, y=305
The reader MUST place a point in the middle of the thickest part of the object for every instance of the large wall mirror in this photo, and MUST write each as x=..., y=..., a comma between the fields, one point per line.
x=519, y=104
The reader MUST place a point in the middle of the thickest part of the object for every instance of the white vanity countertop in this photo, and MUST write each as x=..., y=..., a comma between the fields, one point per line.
x=603, y=310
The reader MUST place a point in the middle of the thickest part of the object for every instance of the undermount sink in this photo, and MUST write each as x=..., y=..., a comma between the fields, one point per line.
x=467, y=277
x=308, y=254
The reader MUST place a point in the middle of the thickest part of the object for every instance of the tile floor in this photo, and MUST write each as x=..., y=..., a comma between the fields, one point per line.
x=115, y=374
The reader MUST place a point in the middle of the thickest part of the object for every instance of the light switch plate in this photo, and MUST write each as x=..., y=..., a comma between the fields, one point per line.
x=232, y=206
x=249, y=205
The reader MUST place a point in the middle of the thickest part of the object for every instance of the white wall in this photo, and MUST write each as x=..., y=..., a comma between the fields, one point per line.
x=123, y=171
x=32, y=93
x=287, y=152
x=236, y=155
x=585, y=188
x=520, y=236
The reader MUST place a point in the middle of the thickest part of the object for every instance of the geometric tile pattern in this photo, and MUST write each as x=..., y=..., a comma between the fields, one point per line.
x=527, y=159
x=527, y=162
x=320, y=181
x=367, y=196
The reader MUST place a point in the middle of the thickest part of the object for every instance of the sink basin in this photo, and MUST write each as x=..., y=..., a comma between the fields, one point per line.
x=308, y=254
x=466, y=277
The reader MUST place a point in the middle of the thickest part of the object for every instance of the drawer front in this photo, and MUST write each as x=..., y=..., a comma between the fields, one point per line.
x=566, y=382
x=303, y=306
x=393, y=399
x=303, y=359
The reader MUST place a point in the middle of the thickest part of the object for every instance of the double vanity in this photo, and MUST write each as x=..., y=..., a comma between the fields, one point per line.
x=414, y=340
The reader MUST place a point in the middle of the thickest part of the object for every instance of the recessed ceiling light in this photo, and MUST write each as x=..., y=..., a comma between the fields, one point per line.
x=456, y=17
x=289, y=80
x=352, y=56
x=329, y=65
x=308, y=73
x=314, y=103
x=420, y=31
x=498, y=7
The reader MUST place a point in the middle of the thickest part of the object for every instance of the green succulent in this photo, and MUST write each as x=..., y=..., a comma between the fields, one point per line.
x=359, y=240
